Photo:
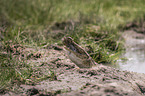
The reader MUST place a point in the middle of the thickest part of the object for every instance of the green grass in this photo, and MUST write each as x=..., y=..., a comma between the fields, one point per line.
x=39, y=13
x=15, y=71
x=12, y=70
x=95, y=23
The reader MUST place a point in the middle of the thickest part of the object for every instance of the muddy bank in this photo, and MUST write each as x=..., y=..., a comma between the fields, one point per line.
x=71, y=81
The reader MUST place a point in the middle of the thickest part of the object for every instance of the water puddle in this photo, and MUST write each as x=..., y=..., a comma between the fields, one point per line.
x=135, y=52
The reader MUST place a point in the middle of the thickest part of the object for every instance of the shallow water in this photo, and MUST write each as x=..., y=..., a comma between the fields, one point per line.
x=135, y=53
x=135, y=62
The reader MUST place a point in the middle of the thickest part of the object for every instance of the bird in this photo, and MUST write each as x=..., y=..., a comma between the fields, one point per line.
x=77, y=54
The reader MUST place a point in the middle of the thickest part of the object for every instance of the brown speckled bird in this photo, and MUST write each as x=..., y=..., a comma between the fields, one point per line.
x=77, y=54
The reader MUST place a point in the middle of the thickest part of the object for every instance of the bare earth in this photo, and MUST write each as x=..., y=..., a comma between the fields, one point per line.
x=72, y=81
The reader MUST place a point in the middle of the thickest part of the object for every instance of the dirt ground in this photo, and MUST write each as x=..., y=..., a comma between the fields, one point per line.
x=72, y=81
